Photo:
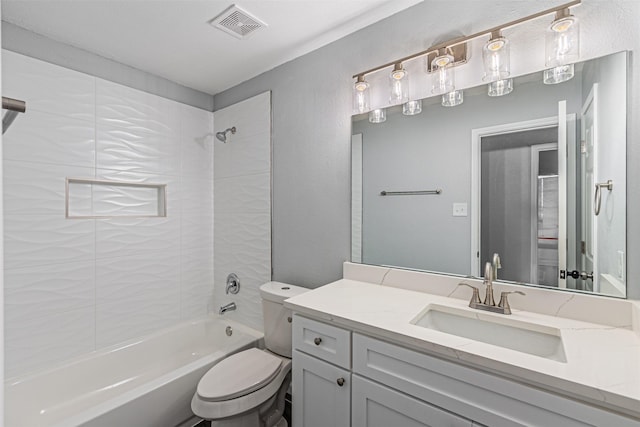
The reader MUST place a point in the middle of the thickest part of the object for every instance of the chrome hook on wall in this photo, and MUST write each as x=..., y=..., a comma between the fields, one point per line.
x=598, y=196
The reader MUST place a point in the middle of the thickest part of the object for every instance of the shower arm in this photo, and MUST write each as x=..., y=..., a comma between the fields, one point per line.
x=13, y=107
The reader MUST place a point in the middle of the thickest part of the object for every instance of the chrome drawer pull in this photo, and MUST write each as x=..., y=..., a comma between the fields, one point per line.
x=317, y=341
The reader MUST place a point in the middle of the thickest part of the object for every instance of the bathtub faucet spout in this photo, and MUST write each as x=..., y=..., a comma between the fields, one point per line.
x=229, y=307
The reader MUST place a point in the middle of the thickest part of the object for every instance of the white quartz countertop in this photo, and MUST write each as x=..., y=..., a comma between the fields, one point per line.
x=603, y=362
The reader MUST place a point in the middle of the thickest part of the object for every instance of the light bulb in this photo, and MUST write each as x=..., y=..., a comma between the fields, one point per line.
x=398, y=85
x=443, y=74
x=495, y=56
x=562, y=48
x=361, y=96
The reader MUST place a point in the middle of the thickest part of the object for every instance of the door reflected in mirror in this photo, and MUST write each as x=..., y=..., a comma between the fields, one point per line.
x=537, y=176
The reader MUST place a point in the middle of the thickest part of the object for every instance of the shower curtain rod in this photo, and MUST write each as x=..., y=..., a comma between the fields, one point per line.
x=13, y=105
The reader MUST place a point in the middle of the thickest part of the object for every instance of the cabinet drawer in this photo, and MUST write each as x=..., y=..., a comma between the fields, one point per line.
x=374, y=405
x=323, y=341
x=479, y=396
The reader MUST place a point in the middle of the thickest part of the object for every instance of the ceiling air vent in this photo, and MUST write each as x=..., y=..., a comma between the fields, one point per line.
x=237, y=22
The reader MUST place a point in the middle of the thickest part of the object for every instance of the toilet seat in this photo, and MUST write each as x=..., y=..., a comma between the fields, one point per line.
x=239, y=375
x=219, y=409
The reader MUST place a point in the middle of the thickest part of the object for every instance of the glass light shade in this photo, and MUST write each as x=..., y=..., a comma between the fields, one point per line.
x=443, y=75
x=378, y=116
x=452, y=99
x=398, y=86
x=500, y=87
x=411, y=108
x=361, y=97
x=495, y=55
x=562, y=41
x=558, y=74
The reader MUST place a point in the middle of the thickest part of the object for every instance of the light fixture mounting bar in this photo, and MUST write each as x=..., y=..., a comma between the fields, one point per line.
x=460, y=40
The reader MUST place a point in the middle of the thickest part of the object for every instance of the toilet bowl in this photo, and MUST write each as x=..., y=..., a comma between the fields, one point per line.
x=248, y=389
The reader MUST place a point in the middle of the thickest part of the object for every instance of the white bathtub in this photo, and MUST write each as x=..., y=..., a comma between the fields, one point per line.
x=147, y=382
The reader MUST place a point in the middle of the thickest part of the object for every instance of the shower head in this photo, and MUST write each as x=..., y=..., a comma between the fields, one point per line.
x=222, y=136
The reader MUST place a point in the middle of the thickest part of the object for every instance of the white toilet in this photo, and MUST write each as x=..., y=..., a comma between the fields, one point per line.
x=247, y=389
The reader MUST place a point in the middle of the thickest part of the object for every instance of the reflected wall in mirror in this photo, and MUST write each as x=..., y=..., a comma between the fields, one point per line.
x=537, y=176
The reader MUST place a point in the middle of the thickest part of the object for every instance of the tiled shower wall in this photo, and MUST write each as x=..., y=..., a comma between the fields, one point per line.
x=76, y=285
x=243, y=206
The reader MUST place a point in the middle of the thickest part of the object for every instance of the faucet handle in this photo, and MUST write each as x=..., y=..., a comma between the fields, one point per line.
x=475, y=297
x=504, y=301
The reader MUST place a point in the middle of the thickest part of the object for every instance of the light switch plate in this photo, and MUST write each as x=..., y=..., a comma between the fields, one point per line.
x=459, y=209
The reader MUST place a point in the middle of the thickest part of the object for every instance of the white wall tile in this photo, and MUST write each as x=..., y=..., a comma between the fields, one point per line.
x=242, y=205
x=33, y=343
x=76, y=285
x=46, y=290
x=116, y=322
x=37, y=189
x=197, y=195
x=138, y=278
x=247, y=193
x=136, y=294
x=47, y=87
x=123, y=202
x=197, y=142
x=243, y=156
x=135, y=111
x=137, y=151
x=48, y=138
x=117, y=237
x=32, y=240
x=196, y=289
x=196, y=230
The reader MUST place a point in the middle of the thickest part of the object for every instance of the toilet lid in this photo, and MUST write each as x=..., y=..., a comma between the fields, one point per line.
x=238, y=375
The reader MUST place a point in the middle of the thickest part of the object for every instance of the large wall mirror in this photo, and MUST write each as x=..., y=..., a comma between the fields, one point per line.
x=537, y=176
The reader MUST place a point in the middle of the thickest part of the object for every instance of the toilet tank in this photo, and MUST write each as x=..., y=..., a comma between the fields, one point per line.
x=277, y=318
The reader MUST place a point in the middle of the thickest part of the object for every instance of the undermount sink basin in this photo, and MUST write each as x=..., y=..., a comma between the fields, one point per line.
x=495, y=329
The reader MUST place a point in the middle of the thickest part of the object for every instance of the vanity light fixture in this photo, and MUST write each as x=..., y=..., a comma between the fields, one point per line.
x=398, y=85
x=361, y=95
x=561, y=50
x=562, y=47
x=411, y=108
x=500, y=87
x=497, y=67
x=452, y=98
x=443, y=80
x=378, y=115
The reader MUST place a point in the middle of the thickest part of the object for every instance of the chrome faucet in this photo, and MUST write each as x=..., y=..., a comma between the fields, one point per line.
x=495, y=263
x=229, y=307
x=489, y=303
x=488, y=282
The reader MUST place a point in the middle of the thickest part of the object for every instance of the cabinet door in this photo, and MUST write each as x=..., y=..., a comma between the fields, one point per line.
x=374, y=405
x=321, y=393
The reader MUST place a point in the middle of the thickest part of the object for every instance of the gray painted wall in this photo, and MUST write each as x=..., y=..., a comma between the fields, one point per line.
x=312, y=108
x=20, y=40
